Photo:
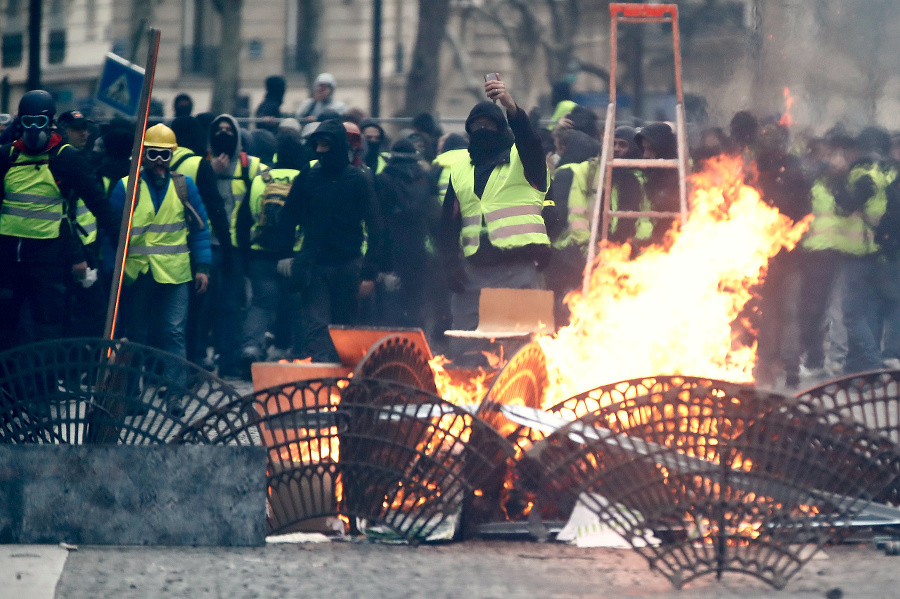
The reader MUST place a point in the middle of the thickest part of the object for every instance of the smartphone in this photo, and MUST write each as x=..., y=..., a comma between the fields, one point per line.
x=492, y=77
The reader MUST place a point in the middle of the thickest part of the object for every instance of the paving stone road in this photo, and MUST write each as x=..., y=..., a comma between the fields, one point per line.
x=469, y=570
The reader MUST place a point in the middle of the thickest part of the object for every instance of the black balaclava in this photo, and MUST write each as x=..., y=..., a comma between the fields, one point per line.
x=373, y=150
x=336, y=158
x=189, y=133
x=485, y=144
x=221, y=142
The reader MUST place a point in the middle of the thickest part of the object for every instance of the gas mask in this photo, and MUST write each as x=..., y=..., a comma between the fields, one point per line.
x=36, y=131
x=156, y=165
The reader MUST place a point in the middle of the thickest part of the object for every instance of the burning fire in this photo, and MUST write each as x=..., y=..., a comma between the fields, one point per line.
x=671, y=309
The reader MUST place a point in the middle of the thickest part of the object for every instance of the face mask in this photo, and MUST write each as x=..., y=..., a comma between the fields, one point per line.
x=223, y=143
x=36, y=139
x=484, y=144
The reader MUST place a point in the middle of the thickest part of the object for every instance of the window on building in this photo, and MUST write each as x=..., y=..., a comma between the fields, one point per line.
x=199, y=29
x=13, y=36
x=56, y=46
x=301, y=50
x=12, y=50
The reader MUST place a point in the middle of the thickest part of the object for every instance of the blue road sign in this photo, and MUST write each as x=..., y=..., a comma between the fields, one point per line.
x=120, y=84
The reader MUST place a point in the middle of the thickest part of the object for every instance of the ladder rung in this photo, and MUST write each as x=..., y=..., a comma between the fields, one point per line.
x=645, y=162
x=640, y=10
x=644, y=19
x=649, y=214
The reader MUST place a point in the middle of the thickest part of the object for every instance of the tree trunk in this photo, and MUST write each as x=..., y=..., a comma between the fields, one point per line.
x=423, y=81
x=225, y=86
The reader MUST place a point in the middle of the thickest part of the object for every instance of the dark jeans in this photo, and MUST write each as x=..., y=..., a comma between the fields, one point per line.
x=818, y=273
x=871, y=312
x=270, y=306
x=40, y=286
x=219, y=313
x=328, y=295
x=156, y=314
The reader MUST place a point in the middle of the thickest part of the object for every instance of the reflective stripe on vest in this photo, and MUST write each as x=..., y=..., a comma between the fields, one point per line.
x=158, y=239
x=88, y=222
x=509, y=210
x=34, y=206
x=826, y=231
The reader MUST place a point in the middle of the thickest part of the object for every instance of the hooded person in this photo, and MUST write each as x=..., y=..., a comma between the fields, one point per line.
x=336, y=209
x=376, y=143
x=324, y=88
x=492, y=209
x=408, y=197
x=572, y=194
x=268, y=112
x=221, y=314
x=657, y=141
x=870, y=301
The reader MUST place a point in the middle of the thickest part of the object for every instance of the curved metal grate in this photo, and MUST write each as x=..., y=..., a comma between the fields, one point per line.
x=78, y=391
x=397, y=358
x=871, y=398
x=718, y=477
x=522, y=381
x=379, y=451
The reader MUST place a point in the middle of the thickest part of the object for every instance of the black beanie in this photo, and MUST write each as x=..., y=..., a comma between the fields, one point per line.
x=486, y=109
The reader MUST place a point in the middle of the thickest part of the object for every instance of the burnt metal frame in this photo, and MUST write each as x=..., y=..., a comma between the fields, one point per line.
x=80, y=391
x=720, y=455
x=408, y=460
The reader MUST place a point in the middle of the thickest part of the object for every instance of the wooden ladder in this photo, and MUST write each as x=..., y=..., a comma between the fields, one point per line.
x=642, y=14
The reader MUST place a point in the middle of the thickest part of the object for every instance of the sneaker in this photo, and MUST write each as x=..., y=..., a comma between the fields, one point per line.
x=891, y=363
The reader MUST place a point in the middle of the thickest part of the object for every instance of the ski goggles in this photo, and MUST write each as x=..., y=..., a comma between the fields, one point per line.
x=36, y=121
x=153, y=154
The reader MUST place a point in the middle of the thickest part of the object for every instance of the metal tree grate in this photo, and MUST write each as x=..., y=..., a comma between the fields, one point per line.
x=365, y=449
x=78, y=391
x=397, y=358
x=872, y=398
x=718, y=477
x=523, y=381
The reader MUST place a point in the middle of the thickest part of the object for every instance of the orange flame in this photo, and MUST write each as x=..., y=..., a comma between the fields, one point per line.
x=670, y=310
x=457, y=392
x=786, y=119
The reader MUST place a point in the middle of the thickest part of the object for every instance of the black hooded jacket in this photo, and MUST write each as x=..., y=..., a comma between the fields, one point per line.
x=408, y=197
x=330, y=202
x=531, y=153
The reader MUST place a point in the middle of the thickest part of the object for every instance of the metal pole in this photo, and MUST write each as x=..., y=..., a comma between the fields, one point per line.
x=375, y=101
x=133, y=187
x=34, y=44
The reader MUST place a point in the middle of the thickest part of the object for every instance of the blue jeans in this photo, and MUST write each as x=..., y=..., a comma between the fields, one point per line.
x=871, y=312
x=156, y=314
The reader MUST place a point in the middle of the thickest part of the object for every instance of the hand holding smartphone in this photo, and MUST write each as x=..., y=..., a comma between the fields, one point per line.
x=492, y=77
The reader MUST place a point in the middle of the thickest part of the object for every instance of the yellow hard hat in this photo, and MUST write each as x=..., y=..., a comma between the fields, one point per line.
x=160, y=136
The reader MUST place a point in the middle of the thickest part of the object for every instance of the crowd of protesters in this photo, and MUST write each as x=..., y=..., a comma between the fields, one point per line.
x=247, y=244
